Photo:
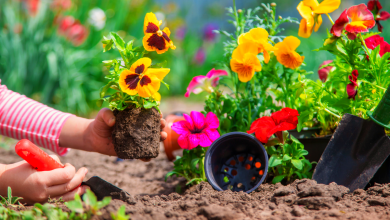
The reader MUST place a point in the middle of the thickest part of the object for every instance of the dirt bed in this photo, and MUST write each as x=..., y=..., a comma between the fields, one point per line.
x=153, y=198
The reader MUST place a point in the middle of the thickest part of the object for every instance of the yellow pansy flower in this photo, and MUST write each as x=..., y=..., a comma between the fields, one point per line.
x=141, y=79
x=245, y=62
x=286, y=54
x=311, y=11
x=259, y=37
x=156, y=39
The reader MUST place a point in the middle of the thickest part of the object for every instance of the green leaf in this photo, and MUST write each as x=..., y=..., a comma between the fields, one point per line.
x=119, y=43
x=75, y=205
x=90, y=198
x=297, y=163
x=286, y=157
x=278, y=179
x=139, y=49
x=304, y=117
x=148, y=105
x=166, y=85
x=106, y=200
x=227, y=106
x=274, y=161
x=108, y=46
x=193, y=164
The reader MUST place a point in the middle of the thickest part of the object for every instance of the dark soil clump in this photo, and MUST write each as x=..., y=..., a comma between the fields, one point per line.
x=136, y=133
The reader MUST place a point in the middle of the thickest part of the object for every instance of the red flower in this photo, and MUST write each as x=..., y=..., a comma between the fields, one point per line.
x=375, y=41
x=351, y=87
x=72, y=30
x=324, y=72
x=375, y=6
x=265, y=127
x=32, y=6
x=361, y=20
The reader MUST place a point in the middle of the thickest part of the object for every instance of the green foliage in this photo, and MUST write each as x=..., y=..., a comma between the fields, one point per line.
x=121, y=214
x=79, y=210
x=129, y=54
x=190, y=166
x=288, y=161
x=329, y=99
x=10, y=200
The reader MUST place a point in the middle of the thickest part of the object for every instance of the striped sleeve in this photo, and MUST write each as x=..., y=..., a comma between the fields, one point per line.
x=24, y=118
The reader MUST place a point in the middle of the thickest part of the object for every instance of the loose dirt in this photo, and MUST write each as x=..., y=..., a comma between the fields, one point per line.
x=136, y=133
x=153, y=198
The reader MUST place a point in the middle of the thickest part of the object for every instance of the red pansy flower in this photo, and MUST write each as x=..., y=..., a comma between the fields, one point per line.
x=375, y=41
x=361, y=20
x=375, y=6
x=265, y=127
x=351, y=87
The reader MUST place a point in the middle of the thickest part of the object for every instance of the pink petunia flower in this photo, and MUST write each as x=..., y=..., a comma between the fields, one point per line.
x=200, y=56
x=375, y=41
x=351, y=87
x=206, y=83
x=361, y=20
x=324, y=72
x=197, y=130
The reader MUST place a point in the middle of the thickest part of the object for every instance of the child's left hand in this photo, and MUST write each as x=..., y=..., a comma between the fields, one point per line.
x=95, y=134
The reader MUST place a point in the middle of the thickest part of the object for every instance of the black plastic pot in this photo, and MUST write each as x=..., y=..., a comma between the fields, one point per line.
x=305, y=132
x=315, y=146
x=236, y=161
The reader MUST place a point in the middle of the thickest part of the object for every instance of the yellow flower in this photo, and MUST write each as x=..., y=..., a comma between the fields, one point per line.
x=141, y=79
x=259, y=37
x=286, y=54
x=156, y=39
x=245, y=62
x=311, y=11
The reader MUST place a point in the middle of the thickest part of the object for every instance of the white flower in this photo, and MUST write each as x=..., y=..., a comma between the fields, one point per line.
x=97, y=18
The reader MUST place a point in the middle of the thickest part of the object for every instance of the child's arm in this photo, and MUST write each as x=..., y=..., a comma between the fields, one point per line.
x=36, y=186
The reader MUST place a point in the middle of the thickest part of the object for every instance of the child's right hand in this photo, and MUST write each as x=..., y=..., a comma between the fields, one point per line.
x=36, y=186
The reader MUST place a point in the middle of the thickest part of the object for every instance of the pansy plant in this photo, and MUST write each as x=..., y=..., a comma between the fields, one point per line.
x=133, y=76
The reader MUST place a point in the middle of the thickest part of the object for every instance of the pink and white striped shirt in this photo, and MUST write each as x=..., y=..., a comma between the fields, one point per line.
x=24, y=118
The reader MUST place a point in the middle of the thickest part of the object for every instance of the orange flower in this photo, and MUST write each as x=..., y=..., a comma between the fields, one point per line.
x=156, y=39
x=245, y=62
x=286, y=54
x=258, y=37
x=311, y=11
x=142, y=80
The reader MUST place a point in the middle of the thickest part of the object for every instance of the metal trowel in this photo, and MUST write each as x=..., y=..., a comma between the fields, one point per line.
x=41, y=161
x=357, y=149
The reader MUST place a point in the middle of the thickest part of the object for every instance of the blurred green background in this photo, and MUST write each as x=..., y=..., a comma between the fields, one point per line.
x=51, y=51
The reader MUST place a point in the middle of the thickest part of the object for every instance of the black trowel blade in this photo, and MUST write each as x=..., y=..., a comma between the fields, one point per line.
x=354, y=154
x=102, y=188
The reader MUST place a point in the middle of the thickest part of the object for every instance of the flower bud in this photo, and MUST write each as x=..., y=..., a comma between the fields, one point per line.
x=273, y=4
x=324, y=72
x=239, y=11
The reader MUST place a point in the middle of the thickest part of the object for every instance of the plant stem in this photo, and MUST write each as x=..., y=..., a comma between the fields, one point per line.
x=330, y=19
x=368, y=53
x=330, y=112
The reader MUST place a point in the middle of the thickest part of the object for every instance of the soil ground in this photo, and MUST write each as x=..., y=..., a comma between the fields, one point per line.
x=153, y=198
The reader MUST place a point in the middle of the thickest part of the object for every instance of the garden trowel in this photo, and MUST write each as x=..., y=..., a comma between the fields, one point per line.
x=41, y=161
x=357, y=149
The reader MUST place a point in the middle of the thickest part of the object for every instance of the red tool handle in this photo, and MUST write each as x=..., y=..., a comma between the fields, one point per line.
x=36, y=157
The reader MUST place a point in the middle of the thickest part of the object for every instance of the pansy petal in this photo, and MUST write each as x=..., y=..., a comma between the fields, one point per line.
x=148, y=86
x=212, y=134
x=384, y=48
x=292, y=42
x=151, y=24
x=318, y=24
x=305, y=11
x=374, y=41
x=351, y=91
x=313, y=4
x=384, y=15
x=304, y=30
x=327, y=6
x=198, y=119
x=204, y=140
x=360, y=13
x=359, y=26
x=141, y=65
x=160, y=73
x=339, y=24
x=212, y=121
x=181, y=127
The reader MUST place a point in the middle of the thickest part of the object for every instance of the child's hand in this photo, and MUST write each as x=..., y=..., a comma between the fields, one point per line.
x=95, y=134
x=36, y=186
